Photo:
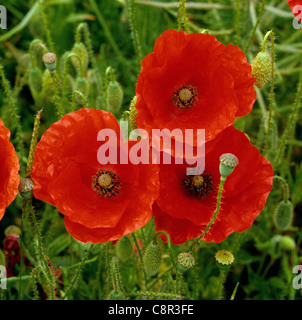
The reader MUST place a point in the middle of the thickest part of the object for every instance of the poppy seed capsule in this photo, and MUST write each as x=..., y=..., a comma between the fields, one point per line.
x=283, y=215
x=261, y=69
x=26, y=187
x=185, y=262
x=124, y=249
x=224, y=259
x=50, y=61
x=152, y=258
x=114, y=96
x=228, y=162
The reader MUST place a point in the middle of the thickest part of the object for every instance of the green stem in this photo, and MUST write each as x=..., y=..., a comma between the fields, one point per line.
x=154, y=294
x=140, y=256
x=256, y=25
x=217, y=208
x=285, y=186
x=238, y=11
x=85, y=105
x=32, y=46
x=222, y=278
x=182, y=16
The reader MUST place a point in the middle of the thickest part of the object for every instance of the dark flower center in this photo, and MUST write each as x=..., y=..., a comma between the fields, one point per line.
x=106, y=183
x=199, y=185
x=185, y=97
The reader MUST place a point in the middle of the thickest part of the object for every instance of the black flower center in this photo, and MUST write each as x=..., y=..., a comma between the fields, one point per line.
x=106, y=183
x=185, y=97
x=199, y=185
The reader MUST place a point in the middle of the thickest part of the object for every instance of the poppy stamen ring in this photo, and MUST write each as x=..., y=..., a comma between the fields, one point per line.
x=106, y=183
x=185, y=97
x=199, y=185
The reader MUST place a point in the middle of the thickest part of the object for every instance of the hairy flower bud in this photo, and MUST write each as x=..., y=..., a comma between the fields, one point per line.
x=80, y=49
x=35, y=80
x=26, y=187
x=124, y=249
x=261, y=69
x=114, y=96
x=283, y=215
x=152, y=258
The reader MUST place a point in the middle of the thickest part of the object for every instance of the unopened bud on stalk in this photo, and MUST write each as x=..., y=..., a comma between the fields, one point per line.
x=228, y=162
x=124, y=248
x=114, y=96
x=261, y=69
x=35, y=80
x=283, y=215
x=152, y=258
x=26, y=187
x=80, y=50
x=50, y=61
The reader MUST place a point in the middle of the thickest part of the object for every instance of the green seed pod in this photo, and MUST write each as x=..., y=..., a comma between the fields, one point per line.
x=152, y=258
x=116, y=295
x=124, y=249
x=80, y=49
x=133, y=113
x=261, y=69
x=114, y=96
x=283, y=215
x=35, y=80
x=2, y=258
x=228, y=162
x=50, y=61
x=185, y=262
x=287, y=243
x=26, y=187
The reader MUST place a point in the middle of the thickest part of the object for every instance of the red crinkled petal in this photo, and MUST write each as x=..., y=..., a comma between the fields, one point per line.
x=9, y=170
x=137, y=214
x=221, y=75
x=244, y=196
x=64, y=164
x=297, y=12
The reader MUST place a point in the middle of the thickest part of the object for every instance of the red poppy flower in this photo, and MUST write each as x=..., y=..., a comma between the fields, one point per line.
x=296, y=8
x=187, y=203
x=9, y=168
x=193, y=81
x=100, y=202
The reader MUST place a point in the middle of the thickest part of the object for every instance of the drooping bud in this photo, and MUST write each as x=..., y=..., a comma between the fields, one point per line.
x=287, y=243
x=114, y=96
x=133, y=113
x=224, y=258
x=26, y=187
x=152, y=258
x=50, y=61
x=261, y=69
x=80, y=49
x=283, y=215
x=185, y=262
x=124, y=249
x=228, y=162
x=81, y=85
x=35, y=80
x=116, y=295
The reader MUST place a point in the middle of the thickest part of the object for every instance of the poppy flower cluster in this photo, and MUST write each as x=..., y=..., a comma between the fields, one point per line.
x=188, y=81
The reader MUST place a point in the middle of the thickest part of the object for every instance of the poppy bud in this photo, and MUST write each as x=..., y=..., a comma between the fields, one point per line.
x=185, y=262
x=50, y=61
x=261, y=69
x=287, y=243
x=35, y=80
x=81, y=85
x=116, y=295
x=80, y=49
x=283, y=215
x=47, y=85
x=227, y=164
x=114, y=96
x=224, y=259
x=124, y=249
x=26, y=188
x=2, y=258
x=133, y=113
x=152, y=258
